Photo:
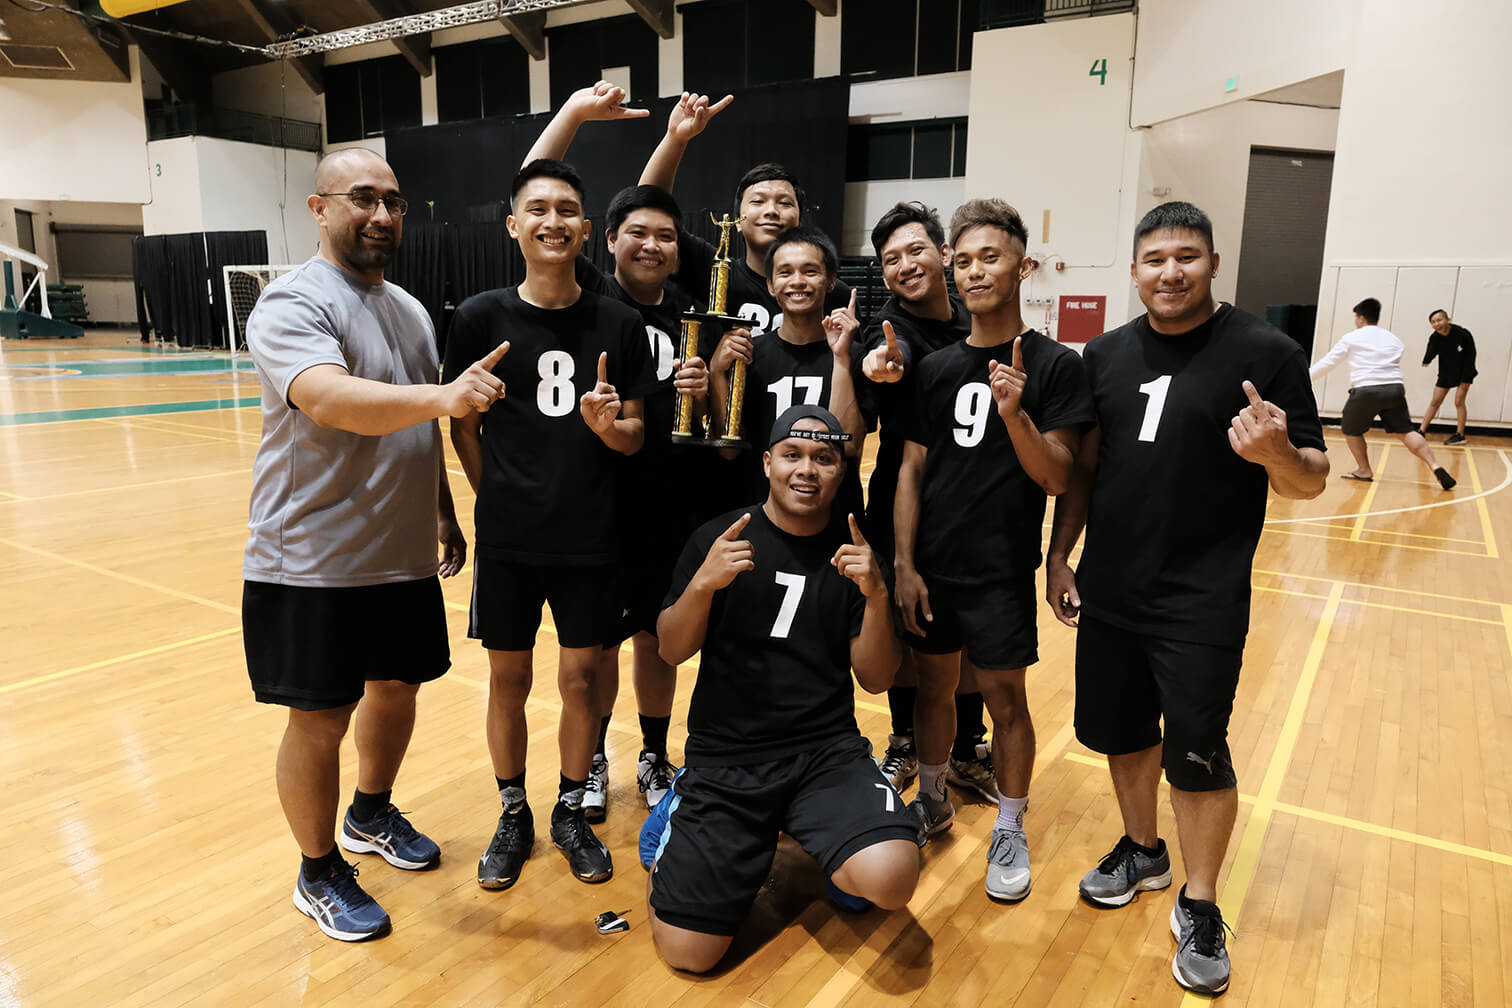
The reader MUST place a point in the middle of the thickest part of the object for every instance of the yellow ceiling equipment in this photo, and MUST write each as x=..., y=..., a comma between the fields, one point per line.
x=126, y=8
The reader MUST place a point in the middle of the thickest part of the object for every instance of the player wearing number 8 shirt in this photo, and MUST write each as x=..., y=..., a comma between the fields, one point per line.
x=1199, y=405
x=783, y=603
x=999, y=418
x=542, y=465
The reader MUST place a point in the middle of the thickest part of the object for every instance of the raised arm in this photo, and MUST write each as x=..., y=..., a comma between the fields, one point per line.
x=1258, y=434
x=601, y=103
x=874, y=652
x=688, y=119
x=840, y=329
x=682, y=626
x=1047, y=457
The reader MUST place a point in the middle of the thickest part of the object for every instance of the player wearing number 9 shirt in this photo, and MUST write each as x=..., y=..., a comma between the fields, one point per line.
x=1199, y=405
x=541, y=462
x=783, y=603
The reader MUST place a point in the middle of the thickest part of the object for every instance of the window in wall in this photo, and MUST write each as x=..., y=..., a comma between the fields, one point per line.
x=880, y=39
x=733, y=44
x=369, y=98
x=577, y=55
x=489, y=77
x=931, y=148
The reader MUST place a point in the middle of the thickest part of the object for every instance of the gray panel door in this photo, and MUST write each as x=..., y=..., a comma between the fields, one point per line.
x=1285, y=217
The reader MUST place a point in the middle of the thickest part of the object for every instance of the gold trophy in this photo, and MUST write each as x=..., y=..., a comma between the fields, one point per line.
x=692, y=323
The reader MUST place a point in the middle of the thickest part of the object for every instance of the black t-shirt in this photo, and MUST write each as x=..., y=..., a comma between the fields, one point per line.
x=1175, y=514
x=748, y=296
x=547, y=490
x=775, y=674
x=783, y=374
x=980, y=514
x=917, y=339
x=1456, y=356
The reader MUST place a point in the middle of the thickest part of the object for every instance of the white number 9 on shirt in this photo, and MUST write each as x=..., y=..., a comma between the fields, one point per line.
x=555, y=395
x=973, y=403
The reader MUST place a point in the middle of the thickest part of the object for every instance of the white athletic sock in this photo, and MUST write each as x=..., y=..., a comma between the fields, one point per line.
x=1010, y=813
x=932, y=780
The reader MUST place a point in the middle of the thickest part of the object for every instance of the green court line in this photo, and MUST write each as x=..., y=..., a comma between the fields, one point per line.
x=125, y=368
x=144, y=409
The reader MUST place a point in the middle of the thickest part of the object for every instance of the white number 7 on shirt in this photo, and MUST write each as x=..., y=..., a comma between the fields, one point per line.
x=793, y=583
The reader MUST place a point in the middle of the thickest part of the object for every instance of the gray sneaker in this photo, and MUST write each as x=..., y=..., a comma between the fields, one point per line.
x=1124, y=872
x=934, y=817
x=1008, y=865
x=1201, y=963
x=975, y=774
x=899, y=764
x=596, y=793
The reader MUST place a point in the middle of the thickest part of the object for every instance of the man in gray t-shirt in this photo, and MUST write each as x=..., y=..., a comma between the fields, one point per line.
x=341, y=606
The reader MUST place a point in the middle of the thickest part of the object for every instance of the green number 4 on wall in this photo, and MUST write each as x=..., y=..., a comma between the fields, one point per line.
x=1100, y=71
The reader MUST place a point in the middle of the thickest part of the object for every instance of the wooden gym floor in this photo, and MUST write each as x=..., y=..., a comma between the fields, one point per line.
x=148, y=863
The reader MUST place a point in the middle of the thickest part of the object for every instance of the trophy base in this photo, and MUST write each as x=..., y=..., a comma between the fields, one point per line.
x=725, y=442
x=690, y=439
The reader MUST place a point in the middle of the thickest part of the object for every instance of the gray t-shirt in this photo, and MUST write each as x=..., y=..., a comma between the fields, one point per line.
x=332, y=509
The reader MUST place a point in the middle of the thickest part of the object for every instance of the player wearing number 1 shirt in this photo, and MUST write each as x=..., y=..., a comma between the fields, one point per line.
x=541, y=461
x=1199, y=406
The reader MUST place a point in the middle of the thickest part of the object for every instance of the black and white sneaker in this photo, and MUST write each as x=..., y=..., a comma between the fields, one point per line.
x=390, y=835
x=502, y=862
x=596, y=793
x=1124, y=872
x=585, y=852
x=1201, y=963
x=653, y=775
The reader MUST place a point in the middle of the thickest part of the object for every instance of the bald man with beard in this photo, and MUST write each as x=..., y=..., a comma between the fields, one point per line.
x=341, y=606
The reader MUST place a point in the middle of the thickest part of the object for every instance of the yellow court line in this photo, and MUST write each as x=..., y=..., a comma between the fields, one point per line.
x=1389, y=832
x=11, y=496
x=1355, y=537
x=1423, y=535
x=1480, y=506
x=153, y=425
x=1448, y=501
x=1287, y=591
x=107, y=572
x=120, y=659
x=1373, y=587
x=134, y=486
x=1359, y=525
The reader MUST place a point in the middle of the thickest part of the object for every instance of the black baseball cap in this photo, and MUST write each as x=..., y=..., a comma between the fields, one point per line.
x=783, y=428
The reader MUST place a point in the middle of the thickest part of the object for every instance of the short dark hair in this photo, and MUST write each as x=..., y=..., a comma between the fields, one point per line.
x=988, y=213
x=903, y=214
x=803, y=234
x=1437, y=311
x=1369, y=310
x=641, y=197
x=546, y=168
x=768, y=172
x=1174, y=216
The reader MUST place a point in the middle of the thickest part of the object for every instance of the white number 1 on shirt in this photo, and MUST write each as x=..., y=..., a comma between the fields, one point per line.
x=1156, y=390
x=793, y=585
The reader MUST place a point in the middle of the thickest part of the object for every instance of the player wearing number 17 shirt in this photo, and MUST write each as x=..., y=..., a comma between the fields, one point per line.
x=1199, y=406
x=783, y=603
x=542, y=464
x=999, y=419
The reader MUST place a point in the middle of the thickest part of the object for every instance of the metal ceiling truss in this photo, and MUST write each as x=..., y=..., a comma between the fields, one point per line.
x=415, y=24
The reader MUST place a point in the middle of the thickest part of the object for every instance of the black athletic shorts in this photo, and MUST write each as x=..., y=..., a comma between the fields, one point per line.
x=315, y=648
x=507, y=599
x=1367, y=402
x=643, y=586
x=1126, y=682
x=994, y=624
x=721, y=835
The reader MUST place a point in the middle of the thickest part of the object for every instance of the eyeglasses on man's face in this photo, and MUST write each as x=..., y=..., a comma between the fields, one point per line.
x=367, y=201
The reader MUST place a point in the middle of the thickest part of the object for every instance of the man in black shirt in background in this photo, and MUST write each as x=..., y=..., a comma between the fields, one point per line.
x=542, y=464
x=920, y=317
x=783, y=605
x=999, y=420
x=1199, y=406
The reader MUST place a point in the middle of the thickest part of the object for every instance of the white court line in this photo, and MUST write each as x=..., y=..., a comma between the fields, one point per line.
x=1449, y=502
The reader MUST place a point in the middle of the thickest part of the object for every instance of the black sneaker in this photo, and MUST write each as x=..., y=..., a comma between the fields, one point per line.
x=1455, y=439
x=1445, y=480
x=585, y=852
x=500, y=865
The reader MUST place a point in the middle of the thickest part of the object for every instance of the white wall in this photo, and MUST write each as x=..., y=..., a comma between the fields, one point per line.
x=108, y=300
x=1047, y=137
x=1420, y=207
x=272, y=89
x=1188, y=51
x=1204, y=160
x=73, y=140
x=207, y=184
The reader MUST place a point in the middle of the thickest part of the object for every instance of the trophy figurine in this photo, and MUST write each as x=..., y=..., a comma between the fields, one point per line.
x=692, y=323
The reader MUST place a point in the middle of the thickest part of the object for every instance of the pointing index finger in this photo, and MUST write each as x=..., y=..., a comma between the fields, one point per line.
x=1254, y=395
x=1018, y=353
x=856, y=537
x=495, y=355
x=733, y=532
x=603, y=367
x=890, y=336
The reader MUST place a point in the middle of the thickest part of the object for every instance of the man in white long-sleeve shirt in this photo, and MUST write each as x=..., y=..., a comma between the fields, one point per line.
x=1375, y=389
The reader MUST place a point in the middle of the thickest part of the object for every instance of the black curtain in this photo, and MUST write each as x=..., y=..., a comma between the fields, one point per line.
x=172, y=274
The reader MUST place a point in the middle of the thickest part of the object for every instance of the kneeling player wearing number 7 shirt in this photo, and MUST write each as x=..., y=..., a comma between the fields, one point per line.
x=783, y=608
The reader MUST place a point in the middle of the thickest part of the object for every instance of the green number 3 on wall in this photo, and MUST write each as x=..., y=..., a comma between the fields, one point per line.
x=159, y=170
x=1100, y=71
